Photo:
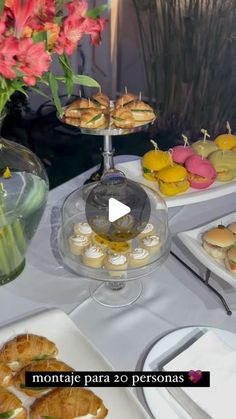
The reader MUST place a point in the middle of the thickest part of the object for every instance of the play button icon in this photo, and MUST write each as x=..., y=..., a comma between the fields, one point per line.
x=117, y=210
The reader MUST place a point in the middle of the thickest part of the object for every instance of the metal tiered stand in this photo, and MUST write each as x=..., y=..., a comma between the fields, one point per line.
x=104, y=289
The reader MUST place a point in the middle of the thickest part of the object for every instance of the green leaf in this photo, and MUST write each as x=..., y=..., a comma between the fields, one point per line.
x=40, y=36
x=6, y=415
x=54, y=89
x=85, y=81
x=97, y=11
x=40, y=357
x=39, y=92
x=68, y=73
x=95, y=118
x=2, y=4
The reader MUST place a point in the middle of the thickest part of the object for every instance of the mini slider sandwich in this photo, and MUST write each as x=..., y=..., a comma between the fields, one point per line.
x=75, y=109
x=92, y=118
x=141, y=111
x=125, y=100
x=230, y=260
x=217, y=241
x=122, y=118
x=101, y=100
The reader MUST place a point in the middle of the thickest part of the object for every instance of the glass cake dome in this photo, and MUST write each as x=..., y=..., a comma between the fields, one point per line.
x=117, y=253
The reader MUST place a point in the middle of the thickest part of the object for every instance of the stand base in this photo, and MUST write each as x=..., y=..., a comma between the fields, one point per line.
x=115, y=294
x=206, y=283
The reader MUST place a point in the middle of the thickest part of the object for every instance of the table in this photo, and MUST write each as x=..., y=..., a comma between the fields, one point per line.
x=171, y=296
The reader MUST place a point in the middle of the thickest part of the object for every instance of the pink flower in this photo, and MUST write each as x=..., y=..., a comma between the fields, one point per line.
x=22, y=11
x=94, y=27
x=71, y=34
x=45, y=12
x=78, y=7
x=33, y=60
x=8, y=51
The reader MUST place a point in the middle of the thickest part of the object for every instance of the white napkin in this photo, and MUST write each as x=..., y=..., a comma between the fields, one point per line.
x=209, y=353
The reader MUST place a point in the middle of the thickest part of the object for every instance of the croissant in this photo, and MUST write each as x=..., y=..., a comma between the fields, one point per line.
x=75, y=109
x=5, y=375
x=47, y=365
x=11, y=406
x=23, y=349
x=69, y=403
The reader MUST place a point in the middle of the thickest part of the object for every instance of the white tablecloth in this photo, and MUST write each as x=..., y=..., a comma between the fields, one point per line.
x=172, y=297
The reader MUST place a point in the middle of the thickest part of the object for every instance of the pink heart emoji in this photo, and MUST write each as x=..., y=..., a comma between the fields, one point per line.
x=195, y=376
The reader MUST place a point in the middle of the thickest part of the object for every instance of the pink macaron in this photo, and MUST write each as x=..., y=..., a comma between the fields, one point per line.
x=201, y=173
x=181, y=153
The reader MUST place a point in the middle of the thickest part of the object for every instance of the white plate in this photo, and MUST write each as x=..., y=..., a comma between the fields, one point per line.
x=133, y=170
x=75, y=350
x=161, y=404
x=192, y=239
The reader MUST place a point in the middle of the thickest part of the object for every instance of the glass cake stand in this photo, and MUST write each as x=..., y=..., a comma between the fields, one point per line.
x=117, y=287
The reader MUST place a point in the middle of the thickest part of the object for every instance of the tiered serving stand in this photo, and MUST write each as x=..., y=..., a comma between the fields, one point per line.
x=105, y=289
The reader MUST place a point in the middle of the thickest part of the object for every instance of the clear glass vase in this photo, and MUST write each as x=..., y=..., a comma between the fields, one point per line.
x=23, y=195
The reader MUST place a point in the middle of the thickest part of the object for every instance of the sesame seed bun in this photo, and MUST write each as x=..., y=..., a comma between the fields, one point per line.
x=221, y=237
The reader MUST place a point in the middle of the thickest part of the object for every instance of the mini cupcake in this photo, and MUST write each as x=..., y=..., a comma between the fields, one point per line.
x=93, y=257
x=116, y=264
x=82, y=229
x=78, y=244
x=151, y=243
x=148, y=230
x=139, y=257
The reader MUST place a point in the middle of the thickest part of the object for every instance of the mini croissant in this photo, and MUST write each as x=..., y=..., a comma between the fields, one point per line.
x=23, y=349
x=69, y=403
x=11, y=406
x=36, y=366
x=6, y=378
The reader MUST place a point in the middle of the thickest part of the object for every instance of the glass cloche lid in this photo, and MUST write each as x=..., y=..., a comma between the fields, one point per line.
x=95, y=242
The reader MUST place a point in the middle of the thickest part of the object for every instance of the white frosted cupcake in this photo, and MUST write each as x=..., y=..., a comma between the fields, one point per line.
x=78, y=244
x=124, y=224
x=83, y=229
x=151, y=243
x=116, y=264
x=93, y=257
x=139, y=257
x=148, y=230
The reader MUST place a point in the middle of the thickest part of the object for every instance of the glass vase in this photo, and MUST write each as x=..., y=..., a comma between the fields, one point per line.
x=23, y=195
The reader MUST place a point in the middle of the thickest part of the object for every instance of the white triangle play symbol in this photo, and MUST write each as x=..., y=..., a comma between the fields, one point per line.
x=117, y=210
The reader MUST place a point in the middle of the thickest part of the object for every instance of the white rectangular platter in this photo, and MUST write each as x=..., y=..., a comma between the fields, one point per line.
x=133, y=171
x=78, y=352
x=192, y=239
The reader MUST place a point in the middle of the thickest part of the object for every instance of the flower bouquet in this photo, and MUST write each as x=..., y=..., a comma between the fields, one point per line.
x=31, y=32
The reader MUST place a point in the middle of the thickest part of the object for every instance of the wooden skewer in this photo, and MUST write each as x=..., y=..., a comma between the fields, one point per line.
x=171, y=159
x=228, y=128
x=140, y=96
x=154, y=144
x=126, y=91
x=186, y=140
x=205, y=133
x=100, y=89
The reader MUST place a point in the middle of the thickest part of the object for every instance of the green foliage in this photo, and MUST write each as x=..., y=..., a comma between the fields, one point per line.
x=97, y=11
x=188, y=48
